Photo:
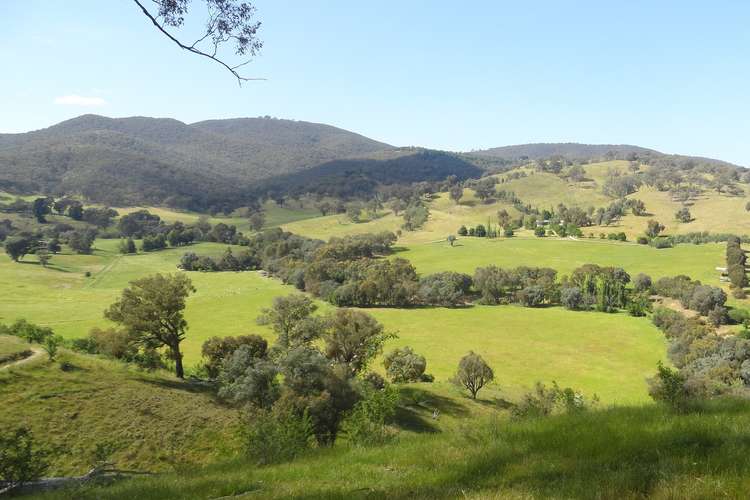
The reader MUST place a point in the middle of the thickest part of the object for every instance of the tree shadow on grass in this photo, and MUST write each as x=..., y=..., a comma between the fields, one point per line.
x=186, y=386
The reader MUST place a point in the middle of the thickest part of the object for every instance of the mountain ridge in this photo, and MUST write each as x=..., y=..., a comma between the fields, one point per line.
x=220, y=163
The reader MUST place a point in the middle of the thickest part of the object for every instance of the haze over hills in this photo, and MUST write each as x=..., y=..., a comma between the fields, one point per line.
x=220, y=163
x=568, y=149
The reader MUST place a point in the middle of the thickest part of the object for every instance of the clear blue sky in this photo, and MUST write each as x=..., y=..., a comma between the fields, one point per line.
x=672, y=75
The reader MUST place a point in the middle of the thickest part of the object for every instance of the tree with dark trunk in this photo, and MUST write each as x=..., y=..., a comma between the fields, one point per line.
x=151, y=309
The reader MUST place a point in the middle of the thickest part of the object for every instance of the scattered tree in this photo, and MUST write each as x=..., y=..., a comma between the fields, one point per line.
x=151, y=310
x=473, y=374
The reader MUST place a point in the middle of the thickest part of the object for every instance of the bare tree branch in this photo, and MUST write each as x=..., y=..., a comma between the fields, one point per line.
x=219, y=36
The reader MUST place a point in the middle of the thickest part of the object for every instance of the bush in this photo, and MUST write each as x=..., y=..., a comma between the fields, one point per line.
x=531, y=296
x=21, y=460
x=540, y=232
x=404, y=365
x=660, y=243
x=642, y=240
x=572, y=298
x=216, y=349
x=366, y=424
x=274, y=436
x=30, y=332
x=642, y=283
x=545, y=401
x=668, y=387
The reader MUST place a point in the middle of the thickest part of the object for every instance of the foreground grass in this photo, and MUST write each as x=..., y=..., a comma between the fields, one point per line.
x=619, y=453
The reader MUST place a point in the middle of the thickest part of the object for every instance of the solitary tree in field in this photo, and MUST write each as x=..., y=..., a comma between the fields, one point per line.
x=683, y=215
x=151, y=309
x=43, y=257
x=18, y=246
x=653, y=228
x=473, y=373
x=257, y=221
x=456, y=193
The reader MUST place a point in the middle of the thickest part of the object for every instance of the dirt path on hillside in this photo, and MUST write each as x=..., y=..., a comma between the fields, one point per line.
x=35, y=353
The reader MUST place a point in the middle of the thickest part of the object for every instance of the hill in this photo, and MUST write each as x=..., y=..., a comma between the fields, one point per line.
x=568, y=150
x=590, y=152
x=155, y=160
x=97, y=401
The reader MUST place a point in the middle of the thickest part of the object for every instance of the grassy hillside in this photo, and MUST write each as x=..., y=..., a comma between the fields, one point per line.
x=625, y=453
x=150, y=420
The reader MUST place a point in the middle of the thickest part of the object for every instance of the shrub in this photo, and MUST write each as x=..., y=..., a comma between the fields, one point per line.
x=404, y=365
x=113, y=342
x=366, y=423
x=642, y=240
x=668, y=386
x=572, y=298
x=51, y=346
x=30, y=332
x=660, y=243
x=462, y=231
x=21, y=460
x=718, y=316
x=642, y=283
x=216, y=349
x=540, y=232
x=638, y=304
x=545, y=401
x=274, y=436
x=531, y=296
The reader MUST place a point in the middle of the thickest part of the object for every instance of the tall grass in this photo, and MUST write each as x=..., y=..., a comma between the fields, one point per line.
x=627, y=452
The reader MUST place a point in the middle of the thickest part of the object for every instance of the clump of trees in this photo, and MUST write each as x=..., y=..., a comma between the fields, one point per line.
x=308, y=383
x=704, y=299
x=707, y=364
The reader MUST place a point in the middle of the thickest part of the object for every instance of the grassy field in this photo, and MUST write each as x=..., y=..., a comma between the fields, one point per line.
x=607, y=354
x=624, y=453
x=275, y=215
x=525, y=345
x=697, y=261
x=63, y=298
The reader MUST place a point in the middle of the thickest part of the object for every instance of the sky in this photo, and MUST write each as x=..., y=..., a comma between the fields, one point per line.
x=670, y=75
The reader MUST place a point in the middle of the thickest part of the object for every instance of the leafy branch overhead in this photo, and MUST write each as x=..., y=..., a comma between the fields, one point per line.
x=228, y=21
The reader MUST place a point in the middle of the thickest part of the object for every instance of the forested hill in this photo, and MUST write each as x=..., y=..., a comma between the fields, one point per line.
x=126, y=160
x=577, y=151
